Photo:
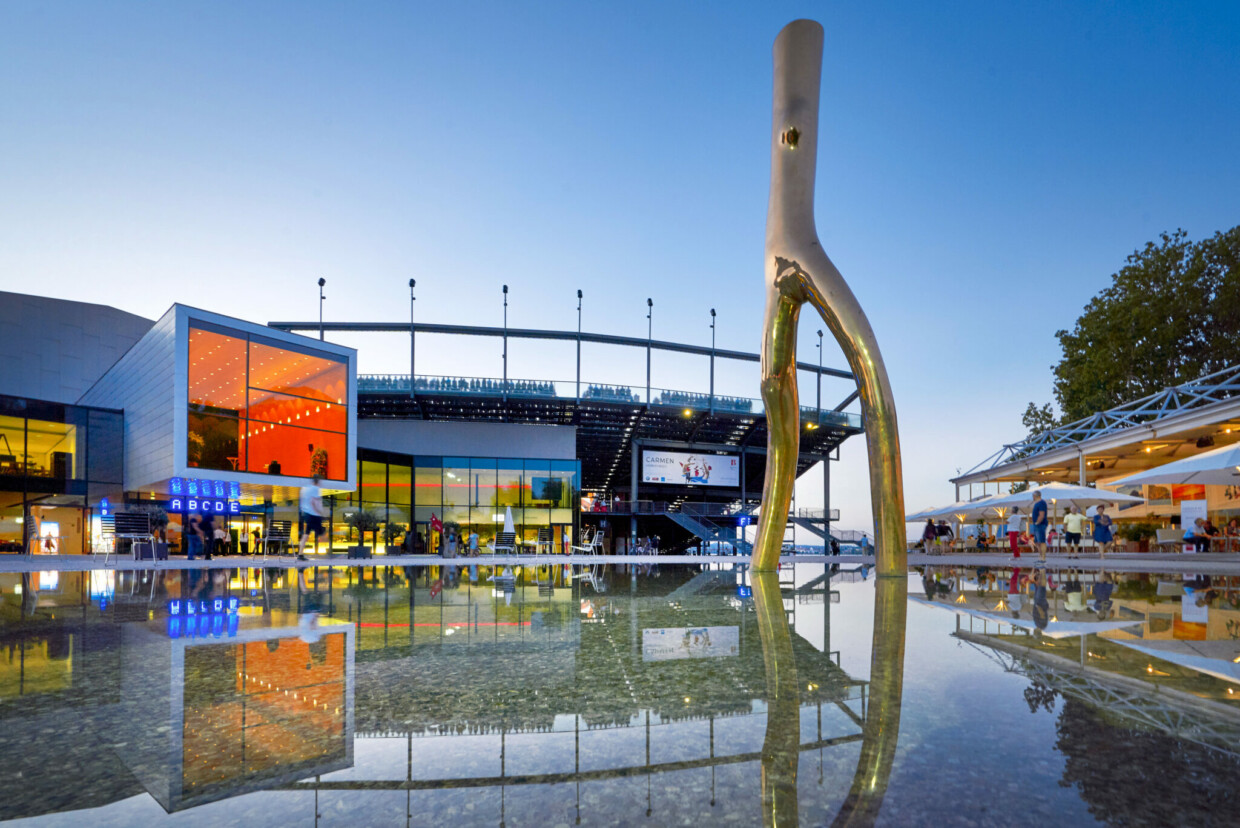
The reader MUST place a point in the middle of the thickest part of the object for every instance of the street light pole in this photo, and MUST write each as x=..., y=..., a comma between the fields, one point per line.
x=649, y=333
x=505, y=343
x=820, y=376
x=322, y=282
x=413, y=373
x=578, y=346
x=712, y=360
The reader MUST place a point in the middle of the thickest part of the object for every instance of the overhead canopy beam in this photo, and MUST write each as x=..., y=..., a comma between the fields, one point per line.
x=847, y=401
x=536, y=333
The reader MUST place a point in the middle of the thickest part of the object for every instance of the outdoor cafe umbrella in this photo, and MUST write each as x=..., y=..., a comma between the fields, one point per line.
x=986, y=609
x=1220, y=466
x=1062, y=494
x=509, y=525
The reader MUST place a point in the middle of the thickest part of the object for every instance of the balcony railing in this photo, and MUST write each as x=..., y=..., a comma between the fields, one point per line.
x=689, y=402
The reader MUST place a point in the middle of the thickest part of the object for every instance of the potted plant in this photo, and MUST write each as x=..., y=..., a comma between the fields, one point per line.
x=363, y=521
x=1137, y=536
x=392, y=533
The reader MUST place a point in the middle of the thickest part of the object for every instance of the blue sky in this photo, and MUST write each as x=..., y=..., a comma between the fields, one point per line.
x=984, y=168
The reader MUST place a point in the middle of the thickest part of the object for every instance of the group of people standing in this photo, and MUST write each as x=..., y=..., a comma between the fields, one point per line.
x=1032, y=530
x=1077, y=525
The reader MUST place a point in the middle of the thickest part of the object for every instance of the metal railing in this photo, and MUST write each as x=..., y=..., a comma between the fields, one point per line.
x=689, y=401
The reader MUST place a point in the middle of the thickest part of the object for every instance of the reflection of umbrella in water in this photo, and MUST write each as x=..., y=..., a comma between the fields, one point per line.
x=1214, y=658
x=1063, y=625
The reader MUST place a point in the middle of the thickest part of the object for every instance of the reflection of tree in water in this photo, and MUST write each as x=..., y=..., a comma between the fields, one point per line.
x=1130, y=776
x=1038, y=695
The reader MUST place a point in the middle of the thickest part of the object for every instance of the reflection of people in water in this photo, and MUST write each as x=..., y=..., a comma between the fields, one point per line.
x=311, y=606
x=1041, y=607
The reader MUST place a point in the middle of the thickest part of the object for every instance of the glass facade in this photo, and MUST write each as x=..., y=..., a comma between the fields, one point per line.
x=258, y=405
x=54, y=460
x=476, y=493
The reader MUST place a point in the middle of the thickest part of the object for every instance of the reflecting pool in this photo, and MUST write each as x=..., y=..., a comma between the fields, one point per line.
x=618, y=695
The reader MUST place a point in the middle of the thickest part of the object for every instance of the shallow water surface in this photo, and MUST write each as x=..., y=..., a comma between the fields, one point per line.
x=616, y=695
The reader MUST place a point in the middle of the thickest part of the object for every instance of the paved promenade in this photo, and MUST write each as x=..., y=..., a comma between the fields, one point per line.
x=1209, y=564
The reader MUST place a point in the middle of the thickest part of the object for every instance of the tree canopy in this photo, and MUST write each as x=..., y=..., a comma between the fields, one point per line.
x=1170, y=315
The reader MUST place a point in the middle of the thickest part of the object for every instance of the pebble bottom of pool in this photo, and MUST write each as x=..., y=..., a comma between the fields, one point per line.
x=618, y=695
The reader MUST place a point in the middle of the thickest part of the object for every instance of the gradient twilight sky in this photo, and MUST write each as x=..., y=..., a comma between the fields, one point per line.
x=984, y=168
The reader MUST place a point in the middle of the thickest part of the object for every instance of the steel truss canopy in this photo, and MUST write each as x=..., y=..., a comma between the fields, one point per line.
x=1174, y=423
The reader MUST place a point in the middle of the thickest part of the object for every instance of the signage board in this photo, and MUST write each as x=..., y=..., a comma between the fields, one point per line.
x=691, y=469
x=672, y=643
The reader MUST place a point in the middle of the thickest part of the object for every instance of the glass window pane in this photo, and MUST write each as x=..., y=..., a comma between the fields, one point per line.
x=271, y=407
x=508, y=485
x=288, y=450
x=213, y=442
x=483, y=500
x=216, y=371
x=51, y=449
x=323, y=377
x=373, y=482
x=400, y=484
x=457, y=488
x=536, y=485
x=428, y=484
x=12, y=445
x=104, y=456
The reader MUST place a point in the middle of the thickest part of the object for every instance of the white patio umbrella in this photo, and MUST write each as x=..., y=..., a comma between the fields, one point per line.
x=509, y=526
x=1214, y=658
x=1064, y=494
x=1220, y=466
x=1058, y=495
x=1070, y=627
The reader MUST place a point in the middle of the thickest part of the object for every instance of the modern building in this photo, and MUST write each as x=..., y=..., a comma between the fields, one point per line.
x=197, y=411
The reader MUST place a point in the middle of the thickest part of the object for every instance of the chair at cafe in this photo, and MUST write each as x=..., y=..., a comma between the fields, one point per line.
x=277, y=535
x=592, y=545
x=505, y=543
x=544, y=542
x=1169, y=540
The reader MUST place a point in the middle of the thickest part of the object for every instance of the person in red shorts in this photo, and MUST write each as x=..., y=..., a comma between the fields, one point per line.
x=1013, y=530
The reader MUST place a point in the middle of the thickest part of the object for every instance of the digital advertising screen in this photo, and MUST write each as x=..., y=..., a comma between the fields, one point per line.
x=691, y=469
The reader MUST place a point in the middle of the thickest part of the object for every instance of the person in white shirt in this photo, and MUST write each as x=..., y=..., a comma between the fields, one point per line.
x=221, y=540
x=1013, y=530
x=1073, y=527
x=311, y=508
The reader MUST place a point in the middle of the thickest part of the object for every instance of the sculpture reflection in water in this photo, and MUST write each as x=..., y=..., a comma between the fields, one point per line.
x=798, y=271
x=881, y=730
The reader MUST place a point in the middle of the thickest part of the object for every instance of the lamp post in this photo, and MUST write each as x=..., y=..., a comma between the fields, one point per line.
x=649, y=332
x=322, y=282
x=579, y=346
x=505, y=343
x=712, y=360
x=413, y=373
x=820, y=376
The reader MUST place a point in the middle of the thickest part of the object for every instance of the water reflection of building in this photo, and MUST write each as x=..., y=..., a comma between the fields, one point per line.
x=560, y=686
x=103, y=697
x=242, y=704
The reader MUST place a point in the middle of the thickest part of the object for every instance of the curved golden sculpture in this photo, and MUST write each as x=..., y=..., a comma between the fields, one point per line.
x=798, y=271
x=881, y=730
x=781, y=747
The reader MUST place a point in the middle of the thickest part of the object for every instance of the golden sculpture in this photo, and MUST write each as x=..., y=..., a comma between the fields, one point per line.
x=798, y=271
x=781, y=747
x=880, y=731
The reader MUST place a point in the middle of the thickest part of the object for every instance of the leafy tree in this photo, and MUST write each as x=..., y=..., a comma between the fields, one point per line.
x=1170, y=315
